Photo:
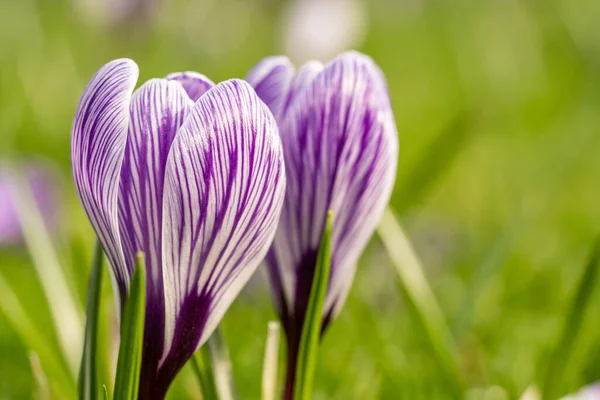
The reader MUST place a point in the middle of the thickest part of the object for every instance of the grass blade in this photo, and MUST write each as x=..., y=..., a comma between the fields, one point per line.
x=132, y=336
x=64, y=308
x=435, y=161
x=420, y=297
x=221, y=365
x=52, y=359
x=311, y=330
x=270, y=366
x=42, y=388
x=88, y=387
x=212, y=366
x=531, y=393
x=572, y=324
x=202, y=366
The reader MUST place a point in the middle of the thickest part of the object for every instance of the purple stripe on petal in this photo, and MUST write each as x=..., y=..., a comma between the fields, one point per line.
x=271, y=79
x=303, y=78
x=224, y=189
x=280, y=94
x=195, y=84
x=158, y=108
x=341, y=148
x=280, y=301
x=97, y=147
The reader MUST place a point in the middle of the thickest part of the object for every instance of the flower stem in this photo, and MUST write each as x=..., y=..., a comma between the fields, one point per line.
x=88, y=385
x=290, y=369
x=303, y=360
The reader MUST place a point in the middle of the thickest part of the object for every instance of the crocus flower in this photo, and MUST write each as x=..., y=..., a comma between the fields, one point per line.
x=341, y=148
x=118, y=13
x=42, y=184
x=191, y=174
x=590, y=392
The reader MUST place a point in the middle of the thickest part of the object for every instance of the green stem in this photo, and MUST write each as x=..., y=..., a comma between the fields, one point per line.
x=88, y=385
x=309, y=340
x=132, y=336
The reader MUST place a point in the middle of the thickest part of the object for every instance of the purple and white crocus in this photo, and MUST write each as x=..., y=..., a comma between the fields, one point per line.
x=590, y=392
x=341, y=149
x=42, y=181
x=191, y=174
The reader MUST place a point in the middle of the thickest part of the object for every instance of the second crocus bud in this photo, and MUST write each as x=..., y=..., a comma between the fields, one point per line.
x=341, y=149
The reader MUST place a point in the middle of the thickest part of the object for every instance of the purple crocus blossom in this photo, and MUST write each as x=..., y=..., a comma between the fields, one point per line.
x=590, y=392
x=341, y=149
x=118, y=13
x=42, y=184
x=191, y=174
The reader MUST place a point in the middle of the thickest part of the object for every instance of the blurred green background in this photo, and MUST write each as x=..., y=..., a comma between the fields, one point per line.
x=497, y=105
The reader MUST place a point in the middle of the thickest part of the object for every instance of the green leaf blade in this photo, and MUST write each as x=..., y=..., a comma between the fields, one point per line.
x=311, y=330
x=24, y=325
x=424, y=307
x=574, y=318
x=132, y=336
x=202, y=366
x=212, y=366
x=88, y=388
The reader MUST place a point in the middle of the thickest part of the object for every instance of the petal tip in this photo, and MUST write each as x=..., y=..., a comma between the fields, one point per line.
x=267, y=64
x=124, y=64
x=194, y=83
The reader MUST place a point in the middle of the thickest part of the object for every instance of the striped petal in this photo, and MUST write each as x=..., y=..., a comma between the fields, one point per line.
x=157, y=110
x=277, y=90
x=97, y=146
x=195, y=84
x=271, y=79
x=303, y=78
x=340, y=145
x=224, y=189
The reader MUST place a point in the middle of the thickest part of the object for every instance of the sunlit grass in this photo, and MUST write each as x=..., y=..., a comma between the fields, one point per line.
x=498, y=111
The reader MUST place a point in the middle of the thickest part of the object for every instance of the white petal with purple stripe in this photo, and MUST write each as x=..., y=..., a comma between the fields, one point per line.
x=158, y=109
x=97, y=145
x=224, y=188
x=271, y=79
x=195, y=84
x=191, y=174
x=341, y=148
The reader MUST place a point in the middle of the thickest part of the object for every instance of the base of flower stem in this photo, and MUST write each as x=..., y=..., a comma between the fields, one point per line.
x=290, y=371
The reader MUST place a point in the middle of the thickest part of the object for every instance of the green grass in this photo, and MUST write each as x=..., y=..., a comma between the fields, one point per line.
x=498, y=110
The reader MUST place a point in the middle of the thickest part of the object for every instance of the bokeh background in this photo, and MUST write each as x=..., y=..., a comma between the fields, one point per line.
x=497, y=104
